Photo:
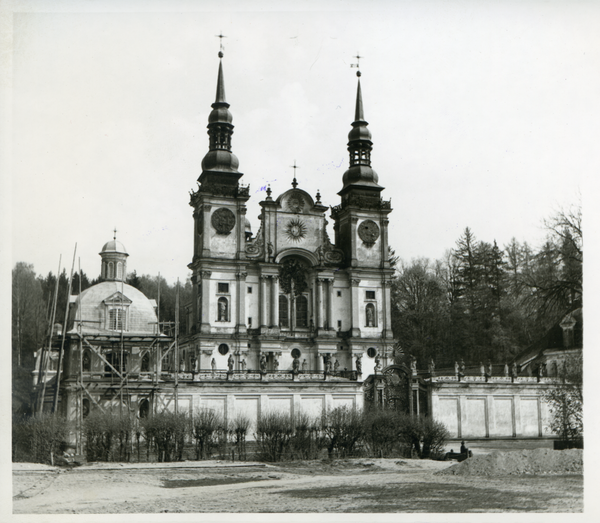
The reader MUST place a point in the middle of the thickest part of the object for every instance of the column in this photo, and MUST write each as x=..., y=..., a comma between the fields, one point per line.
x=205, y=237
x=241, y=301
x=330, y=324
x=320, y=303
x=205, y=320
x=354, y=282
x=275, y=301
x=263, y=301
x=353, y=223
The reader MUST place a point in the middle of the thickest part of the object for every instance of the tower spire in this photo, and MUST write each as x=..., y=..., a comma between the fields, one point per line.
x=220, y=161
x=360, y=175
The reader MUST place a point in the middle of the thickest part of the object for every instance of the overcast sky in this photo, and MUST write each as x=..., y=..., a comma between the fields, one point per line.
x=483, y=114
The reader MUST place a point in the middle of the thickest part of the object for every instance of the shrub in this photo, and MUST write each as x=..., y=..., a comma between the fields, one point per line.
x=108, y=436
x=239, y=430
x=36, y=438
x=381, y=432
x=167, y=431
x=343, y=429
x=274, y=431
x=206, y=425
x=423, y=434
x=307, y=440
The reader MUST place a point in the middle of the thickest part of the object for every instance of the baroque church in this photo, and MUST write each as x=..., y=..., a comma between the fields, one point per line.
x=284, y=319
x=281, y=320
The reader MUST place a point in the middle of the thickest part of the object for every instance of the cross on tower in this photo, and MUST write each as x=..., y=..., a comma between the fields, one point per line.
x=357, y=64
x=220, y=36
x=294, y=183
x=115, y=235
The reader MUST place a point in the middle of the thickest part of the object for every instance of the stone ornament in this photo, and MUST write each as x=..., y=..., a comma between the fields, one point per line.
x=295, y=203
x=223, y=220
x=296, y=230
x=368, y=231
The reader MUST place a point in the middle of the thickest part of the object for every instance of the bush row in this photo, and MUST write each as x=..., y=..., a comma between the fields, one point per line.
x=341, y=432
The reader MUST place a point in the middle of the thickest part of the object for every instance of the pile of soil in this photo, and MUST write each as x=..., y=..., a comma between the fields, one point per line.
x=538, y=461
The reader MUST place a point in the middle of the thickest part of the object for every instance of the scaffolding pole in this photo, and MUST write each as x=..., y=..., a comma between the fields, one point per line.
x=177, y=349
x=45, y=358
x=64, y=334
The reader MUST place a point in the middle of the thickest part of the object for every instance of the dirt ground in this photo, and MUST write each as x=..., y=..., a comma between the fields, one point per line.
x=353, y=485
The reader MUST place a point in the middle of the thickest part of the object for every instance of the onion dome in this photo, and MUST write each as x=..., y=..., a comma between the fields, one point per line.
x=219, y=157
x=360, y=174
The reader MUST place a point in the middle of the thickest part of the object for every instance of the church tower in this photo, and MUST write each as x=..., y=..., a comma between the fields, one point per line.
x=361, y=232
x=219, y=204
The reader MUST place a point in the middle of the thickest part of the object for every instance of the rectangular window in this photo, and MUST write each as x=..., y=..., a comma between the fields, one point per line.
x=249, y=290
x=223, y=288
x=339, y=293
x=370, y=295
x=249, y=322
x=115, y=319
x=339, y=324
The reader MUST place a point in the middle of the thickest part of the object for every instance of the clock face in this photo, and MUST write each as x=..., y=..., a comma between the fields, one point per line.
x=368, y=231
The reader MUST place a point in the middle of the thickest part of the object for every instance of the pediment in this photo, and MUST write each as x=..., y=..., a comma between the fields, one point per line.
x=296, y=201
x=118, y=298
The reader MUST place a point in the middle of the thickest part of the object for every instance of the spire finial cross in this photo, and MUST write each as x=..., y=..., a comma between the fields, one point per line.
x=294, y=183
x=357, y=64
x=115, y=235
x=220, y=36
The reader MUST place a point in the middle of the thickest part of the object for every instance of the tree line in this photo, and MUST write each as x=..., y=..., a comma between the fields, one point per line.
x=486, y=303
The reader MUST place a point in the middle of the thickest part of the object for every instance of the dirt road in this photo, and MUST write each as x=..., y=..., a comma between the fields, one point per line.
x=357, y=485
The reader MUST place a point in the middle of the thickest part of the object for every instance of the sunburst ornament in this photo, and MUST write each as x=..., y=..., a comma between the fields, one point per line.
x=296, y=230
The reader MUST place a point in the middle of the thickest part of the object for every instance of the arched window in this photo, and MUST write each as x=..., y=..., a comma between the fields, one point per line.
x=86, y=363
x=85, y=407
x=111, y=271
x=119, y=270
x=283, y=311
x=301, y=311
x=145, y=363
x=371, y=316
x=144, y=408
x=223, y=309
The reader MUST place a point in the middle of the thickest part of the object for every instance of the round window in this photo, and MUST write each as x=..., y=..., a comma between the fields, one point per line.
x=223, y=349
x=296, y=353
x=371, y=352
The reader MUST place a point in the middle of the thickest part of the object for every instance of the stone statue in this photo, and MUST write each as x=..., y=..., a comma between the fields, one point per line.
x=327, y=361
x=230, y=363
x=193, y=363
x=275, y=363
x=304, y=366
x=481, y=369
x=541, y=370
x=463, y=367
x=413, y=365
x=336, y=365
x=489, y=369
x=456, y=368
x=213, y=365
x=270, y=249
x=263, y=363
x=370, y=319
x=506, y=371
x=515, y=370
x=296, y=365
x=243, y=364
x=377, y=363
x=222, y=310
x=359, y=364
x=432, y=367
x=181, y=365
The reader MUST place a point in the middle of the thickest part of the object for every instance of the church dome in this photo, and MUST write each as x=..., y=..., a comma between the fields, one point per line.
x=114, y=246
x=112, y=306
